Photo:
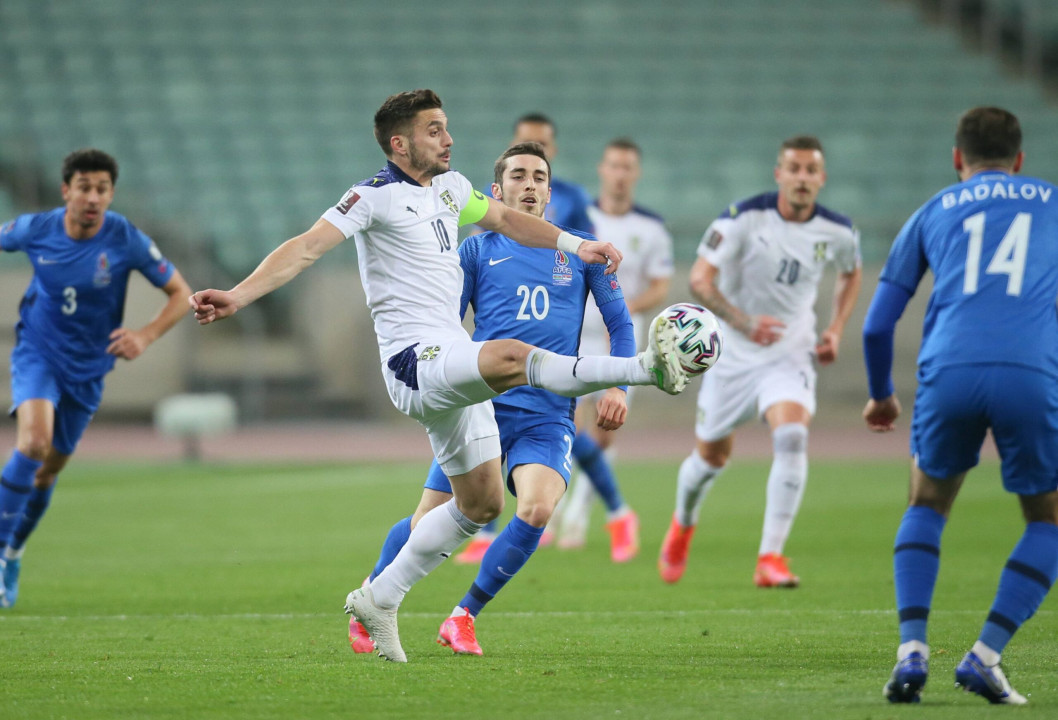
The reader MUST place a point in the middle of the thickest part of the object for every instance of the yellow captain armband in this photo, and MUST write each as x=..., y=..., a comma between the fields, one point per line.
x=474, y=210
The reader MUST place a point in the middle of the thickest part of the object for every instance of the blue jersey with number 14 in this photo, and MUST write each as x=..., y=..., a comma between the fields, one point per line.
x=992, y=244
x=534, y=295
x=77, y=295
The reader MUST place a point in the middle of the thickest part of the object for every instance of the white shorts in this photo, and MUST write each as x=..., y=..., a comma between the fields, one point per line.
x=439, y=384
x=731, y=396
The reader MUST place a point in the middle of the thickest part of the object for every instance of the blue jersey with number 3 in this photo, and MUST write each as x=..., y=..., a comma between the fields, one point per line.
x=534, y=295
x=992, y=245
x=77, y=295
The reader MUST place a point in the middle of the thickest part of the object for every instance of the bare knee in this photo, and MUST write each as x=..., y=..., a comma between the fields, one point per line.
x=715, y=453
x=502, y=363
x=481, y=509
x=536, y=513
x=35, y=446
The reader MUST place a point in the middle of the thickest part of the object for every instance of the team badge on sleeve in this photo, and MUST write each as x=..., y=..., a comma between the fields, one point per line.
x=713, y=241
x=8, y=227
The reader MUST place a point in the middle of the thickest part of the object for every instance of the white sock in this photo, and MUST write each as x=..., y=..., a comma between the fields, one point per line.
x=913, y=646
x=576, y=510
x=11, y=553
x=435, y=537
x=988, y=656
x=571, y=376
x=695, y=478
x=786, y=485
x=460, y=612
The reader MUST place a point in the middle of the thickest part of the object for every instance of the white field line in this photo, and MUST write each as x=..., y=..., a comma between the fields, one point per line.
x=16, y=618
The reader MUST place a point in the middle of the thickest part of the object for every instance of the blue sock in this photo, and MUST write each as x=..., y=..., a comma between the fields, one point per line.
x=1028, y=576
x=395, y=540
x=593, y=462
x=16, y=483
x=38, y=503
x=916, y=560
x=490, y=527
x=505, y=557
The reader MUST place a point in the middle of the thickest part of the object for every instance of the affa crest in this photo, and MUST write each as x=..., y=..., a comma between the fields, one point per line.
x=562, y=273
x=429, y=353
x=101, y=277
x=820, y=251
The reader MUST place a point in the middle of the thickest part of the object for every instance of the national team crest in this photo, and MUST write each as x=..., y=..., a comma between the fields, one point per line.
x=562, y=273
x=821, y=251
x=101, y=278
x=446, y=198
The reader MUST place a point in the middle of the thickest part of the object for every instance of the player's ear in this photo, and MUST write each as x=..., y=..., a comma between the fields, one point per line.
x=1018, y=161
x=65, y=192
x=548, y=198
x=956, y=159
x=398, y=145
x=497, y=192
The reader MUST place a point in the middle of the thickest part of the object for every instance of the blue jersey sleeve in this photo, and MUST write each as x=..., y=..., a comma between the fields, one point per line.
x=619, y=325
x=148, y=259
x=13, y=234
x=886, y=308
x=907, y=262
x=468, y=260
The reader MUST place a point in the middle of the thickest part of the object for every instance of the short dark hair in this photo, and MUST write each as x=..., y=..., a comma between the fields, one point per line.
x=399, y=111
x=525, y=148
x=801, y=142
x=536, y=118
x=89, y=160
x=988, y=135
x=625, y=143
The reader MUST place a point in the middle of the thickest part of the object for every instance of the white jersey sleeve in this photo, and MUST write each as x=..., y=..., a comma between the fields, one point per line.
x=356, y=211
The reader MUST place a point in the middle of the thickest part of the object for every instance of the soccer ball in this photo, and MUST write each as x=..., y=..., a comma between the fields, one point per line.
x=698, y=337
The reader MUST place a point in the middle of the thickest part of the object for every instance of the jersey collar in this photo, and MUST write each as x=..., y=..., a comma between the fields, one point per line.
x=400, y=175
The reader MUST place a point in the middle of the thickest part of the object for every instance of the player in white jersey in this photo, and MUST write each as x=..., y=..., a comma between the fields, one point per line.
x=758, y=269
x=646, y=247
x=404, y=221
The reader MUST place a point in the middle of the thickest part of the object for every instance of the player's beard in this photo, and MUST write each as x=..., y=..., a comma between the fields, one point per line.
x=422, y=163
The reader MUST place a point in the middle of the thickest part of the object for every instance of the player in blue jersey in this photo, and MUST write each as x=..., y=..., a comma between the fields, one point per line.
x=535, y=295
x=988, y=360
x=69, y=334
x=568, y=207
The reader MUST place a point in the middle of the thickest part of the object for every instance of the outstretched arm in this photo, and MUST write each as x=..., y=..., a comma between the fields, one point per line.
x=761, y=329
x=846, y=292
x=130, y=344
x=280, y=267
x=532, y=231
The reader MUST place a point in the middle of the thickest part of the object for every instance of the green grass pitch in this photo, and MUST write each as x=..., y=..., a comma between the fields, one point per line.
x=216, y=591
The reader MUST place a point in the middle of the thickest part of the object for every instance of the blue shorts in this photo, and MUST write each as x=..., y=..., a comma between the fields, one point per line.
x=526, y=438
x=955, y=406
x=33, y=378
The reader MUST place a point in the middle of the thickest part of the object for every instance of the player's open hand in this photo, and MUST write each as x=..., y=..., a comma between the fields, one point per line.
x=127, y=344
x=827, y=349
x=612, y=409
x=881, y=415
x=766, y=329
x=600, y=253
x=212, y=305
